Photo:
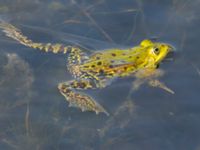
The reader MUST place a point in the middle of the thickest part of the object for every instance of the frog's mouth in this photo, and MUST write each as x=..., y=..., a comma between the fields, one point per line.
x=170, y=56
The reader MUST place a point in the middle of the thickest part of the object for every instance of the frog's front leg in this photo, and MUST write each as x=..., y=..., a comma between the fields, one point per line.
x=78, y=99
x=150, y=76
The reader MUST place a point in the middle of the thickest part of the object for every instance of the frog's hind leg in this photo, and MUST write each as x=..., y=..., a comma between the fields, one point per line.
x=16, y=34
x=76, y=57
x=78, y=99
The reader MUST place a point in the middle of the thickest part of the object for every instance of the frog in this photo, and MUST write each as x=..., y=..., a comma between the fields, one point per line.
x=98, y=69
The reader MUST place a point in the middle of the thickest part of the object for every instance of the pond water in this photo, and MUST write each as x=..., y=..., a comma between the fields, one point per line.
x=35, y=116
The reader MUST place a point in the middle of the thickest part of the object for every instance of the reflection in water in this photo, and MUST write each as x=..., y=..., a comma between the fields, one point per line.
x=120, y=119
x=34, y=116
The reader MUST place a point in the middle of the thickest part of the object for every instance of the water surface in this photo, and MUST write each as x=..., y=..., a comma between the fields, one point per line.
x=33, y=115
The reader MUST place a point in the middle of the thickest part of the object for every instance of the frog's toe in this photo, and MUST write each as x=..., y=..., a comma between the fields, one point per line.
x=157, y=83
x=102, y=110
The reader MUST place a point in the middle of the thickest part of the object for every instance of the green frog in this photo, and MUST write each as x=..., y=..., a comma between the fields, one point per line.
x=98, y=69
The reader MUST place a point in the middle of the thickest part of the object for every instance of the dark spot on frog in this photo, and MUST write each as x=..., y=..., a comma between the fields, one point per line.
x=110, y=74
x=113, y=54
x=125, y=68
x=99, y=63
x=101, y=72
x=145, y=65
x=65, y=90
x=112, y=61
x=111, y=66
x=123, y=61
x=81, y=85
x=86, y=66
x=115, y=71
x=97, y=58
x=93, y=72
x=93, y=66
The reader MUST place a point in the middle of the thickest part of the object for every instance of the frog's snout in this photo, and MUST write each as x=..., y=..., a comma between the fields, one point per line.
x=171, y=49
x=171, y=52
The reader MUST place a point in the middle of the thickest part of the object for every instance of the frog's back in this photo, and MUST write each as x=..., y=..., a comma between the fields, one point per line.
x=112, y=62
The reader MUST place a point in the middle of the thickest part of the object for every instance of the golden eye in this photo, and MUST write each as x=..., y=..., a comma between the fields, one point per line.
x=156, y=51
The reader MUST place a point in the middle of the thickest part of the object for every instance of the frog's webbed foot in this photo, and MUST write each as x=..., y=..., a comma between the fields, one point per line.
x=157, y=83
x=78, y=99
x=150, y=76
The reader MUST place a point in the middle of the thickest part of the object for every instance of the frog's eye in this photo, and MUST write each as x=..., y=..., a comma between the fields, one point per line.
x=156, y=50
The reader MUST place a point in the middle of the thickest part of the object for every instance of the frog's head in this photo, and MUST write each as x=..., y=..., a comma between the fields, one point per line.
x=156, y=52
